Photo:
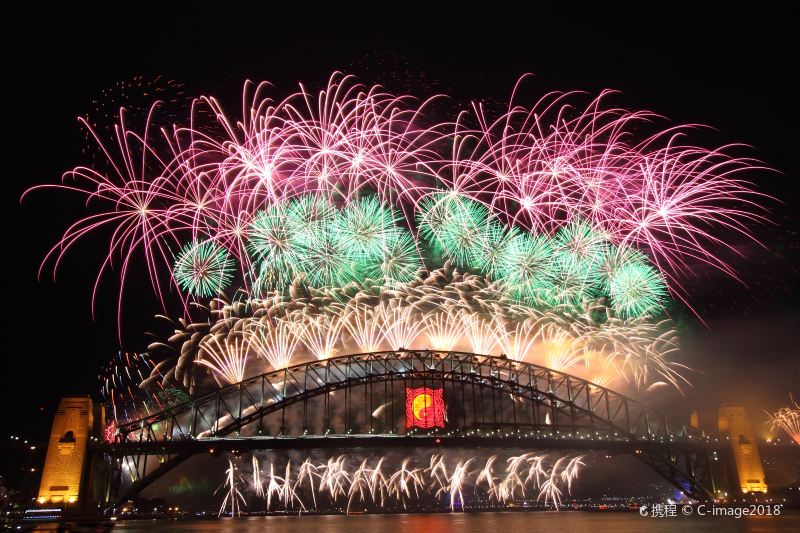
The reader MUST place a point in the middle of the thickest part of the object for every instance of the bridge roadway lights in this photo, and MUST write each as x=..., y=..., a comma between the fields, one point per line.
x=216, y=445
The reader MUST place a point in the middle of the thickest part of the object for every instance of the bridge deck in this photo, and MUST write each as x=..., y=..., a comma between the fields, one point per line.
x=619, y=444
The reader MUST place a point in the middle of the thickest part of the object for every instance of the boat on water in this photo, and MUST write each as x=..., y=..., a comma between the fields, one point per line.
x=55, y=519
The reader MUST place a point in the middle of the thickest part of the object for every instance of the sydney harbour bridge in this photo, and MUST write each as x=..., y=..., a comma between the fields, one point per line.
x=360, y=402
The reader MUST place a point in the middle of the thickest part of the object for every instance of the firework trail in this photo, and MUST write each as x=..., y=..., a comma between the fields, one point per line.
x=456, y=482
x=334, y=478
x=443, y=330
x=447, y=309
x=281, y=488
x=234, y=499
x=550, y=489
x=227, y=360
x=404, y=481
x=307, y=473
x=378, y=485
x=320, y=333
x=274, y=341
x=258, y=485
x=788, y=419
x=368, y=483
x=131, y=388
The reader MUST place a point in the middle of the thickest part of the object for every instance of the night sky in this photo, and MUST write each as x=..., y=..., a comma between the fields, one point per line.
x=733, y=71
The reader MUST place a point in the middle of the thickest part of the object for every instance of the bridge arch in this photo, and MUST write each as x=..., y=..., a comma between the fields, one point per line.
x=487, y=398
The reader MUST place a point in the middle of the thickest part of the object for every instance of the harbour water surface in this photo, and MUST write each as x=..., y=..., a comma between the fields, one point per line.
x=509, y=522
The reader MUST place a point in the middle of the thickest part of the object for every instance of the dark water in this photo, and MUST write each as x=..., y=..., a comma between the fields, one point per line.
x=515, y=522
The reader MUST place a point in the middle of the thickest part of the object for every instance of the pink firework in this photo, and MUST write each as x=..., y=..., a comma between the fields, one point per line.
x=558, y=161
x=134, y=201
x=346, y=140
x=353, y=139
x=536, y=168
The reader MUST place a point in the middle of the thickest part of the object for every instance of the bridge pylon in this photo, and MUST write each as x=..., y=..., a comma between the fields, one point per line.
x=747, y=468
x=67, y=477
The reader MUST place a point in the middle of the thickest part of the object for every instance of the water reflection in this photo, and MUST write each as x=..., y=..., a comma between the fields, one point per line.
x=510, y=522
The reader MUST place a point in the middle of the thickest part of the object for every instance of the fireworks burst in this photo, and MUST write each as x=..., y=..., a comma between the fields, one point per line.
x=120, y=385
x=274, y=248
x=225, y=358
x=788, y=419
x=447, y=310
x=375, y=483
x=364, y=226
x=328, y=186
x=234, y=499
x=637, y=290
x=275, y=341
x=203, y=269
x=399, y=261
x=131, y=388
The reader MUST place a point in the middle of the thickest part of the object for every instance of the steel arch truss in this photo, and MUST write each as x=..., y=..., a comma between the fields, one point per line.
x=485, y=396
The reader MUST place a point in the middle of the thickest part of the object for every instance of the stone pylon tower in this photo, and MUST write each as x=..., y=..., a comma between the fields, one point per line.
x=735, y=424
x=77, y=420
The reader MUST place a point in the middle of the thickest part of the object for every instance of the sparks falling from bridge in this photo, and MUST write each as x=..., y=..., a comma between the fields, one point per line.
x=373, y=483
x=234, y=499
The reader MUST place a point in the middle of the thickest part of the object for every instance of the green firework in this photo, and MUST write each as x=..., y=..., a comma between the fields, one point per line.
x=308, y=219
x=363, y=228
x=277, y=255
x=580, y=244
x=580, y=252
x=455, y=224
x=525, y=266
x=203, y=268
x=400, y=261
x=487, y=254
x=614, y=259
x=637, y=289
x=326, y=262
x=433, y=215
x=450, y=221
x=568, y=284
